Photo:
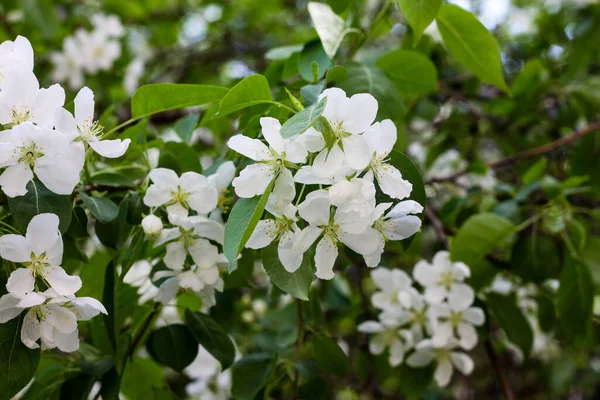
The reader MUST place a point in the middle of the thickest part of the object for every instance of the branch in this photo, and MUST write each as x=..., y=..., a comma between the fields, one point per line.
x=142, y=332
x=437, y=225
x=508, y=394
x=537, y=151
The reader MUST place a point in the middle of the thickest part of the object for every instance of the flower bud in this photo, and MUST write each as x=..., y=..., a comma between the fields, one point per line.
x=152, y=225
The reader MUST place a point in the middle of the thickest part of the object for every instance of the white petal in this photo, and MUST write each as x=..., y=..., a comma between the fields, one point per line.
x=31, y=299
x=329, y=162
x=284, y=189
x=84, y=107
x=359, y=113
x=404, y=208
x=15, y=248
x=156, y=196
x=15, y=178
x=391, y=182
x=402, y=228
x=420, y=358
x=373, y=259
x=435, y=294
x=474, y=316
x=370, y=327
x=305, y=239
x=295, y=151
x=467, y=335
x=271, y=132
x=61, y=318
x=396, y=353
x=382, y=137
x=20, y=282
x=65, y=123
x=424, y=273
x=263, y=235
x=167, y=235
x=177, y=213
x=308, y=176
x=87, y=307
x=443, y=372
x=315, y=209
x=30, y=331
x=382, y=277
x=8, y=309
x=224, y=175
x=47, y=102
x=43, y=233
x=325, y=256
x=67, y=342
x=168, y=290
x=190, y=280
x=363, y=243
x=60, y=174
x=204, y=200
x=110, y=148
x=356, y=152
x=312, y=140
x=60, y=281
x=253, y=180
x=337, y=102
x=462, y=362
x=208, y=228
x=441, y=259
x=204, y=254
x=290, y=259
x=251, y=148
x=442, y=335
x=167, y=178
x=208, y=275
x=175, y=257
x=461, y=296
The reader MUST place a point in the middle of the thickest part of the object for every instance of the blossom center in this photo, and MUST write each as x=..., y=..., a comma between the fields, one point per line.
x=90, y=130
x=419, y=317
x=29, y=154
x=225, y=200
x=455, y=319
x=446, y=280
x=22, y=115
x=38, y=263
x=180, y=196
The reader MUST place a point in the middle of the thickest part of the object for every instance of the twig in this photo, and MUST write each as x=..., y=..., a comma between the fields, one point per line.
x=537, y=151
x=437, y=225
x=300, y=334
x=508, y=394
x=147, y=323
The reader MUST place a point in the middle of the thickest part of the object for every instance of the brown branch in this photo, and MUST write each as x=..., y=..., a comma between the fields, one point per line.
x=437, y=225
x=537, y=151
x=508, y=394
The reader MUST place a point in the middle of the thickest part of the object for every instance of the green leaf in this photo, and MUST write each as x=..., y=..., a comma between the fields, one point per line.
x=414, y=382
x=535, y=172
x=330, y=26
x=471, y=44
x=296, y=283
x=248, y=92
x=173, y=346
x=536, y=258
x=179, y=157
x=337, y=73
x=412, y=72
x=103, y=209
x=48, y=381
x=159, y=97
x=41, y=16
x=419, y=14
x=249, y=375
x=330, y=356
x=511, y=320
x=38, y=200
x=306, y=118
x=108, y=300
x=368, y=79
x=110, y=385
x=295, y=102
x=478, y=236
x=144, y=379
x=242, y=220
x=18, y=363
x=323, y=126
x=575, y=300
x=79, y=221
x=185, y=126
x=212, y=337
x=133, y=251
x=313, y=52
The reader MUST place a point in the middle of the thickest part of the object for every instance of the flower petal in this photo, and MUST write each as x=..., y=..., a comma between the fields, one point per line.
x=15, y=178
x=251, y=148
x=43, y=233
x=263, y=235
x=356, y=152
x=60, y=281
x=253, y=180
x=84, y=107
x=15, y=248
x=110, y=148
x=325, y=256
x=271, y=132
x=359, y=113
x=20, y=282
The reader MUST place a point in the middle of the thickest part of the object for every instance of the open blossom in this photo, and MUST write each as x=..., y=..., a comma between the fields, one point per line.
x=40, y=251
x=444, y=279
x=400, y=223
x=316, y=210
x=180, y=194
x=83, y=128
x=209, y=382
x=349, y=118
x=270, y=161
x=51, y=318
x=68, y=63
x=15, y=54
x=396, y=289
x=21, y=99
x=221, y=180
x=387, y=334
x=458, y=324
x=108, y=25
x=446, y=358
x=355, y=202
x=27, y=148
x=99, y=51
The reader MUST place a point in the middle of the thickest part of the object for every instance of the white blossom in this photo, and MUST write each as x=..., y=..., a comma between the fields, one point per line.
x=387, y=334
x=152, y=225
x=396, y=289
x=457, y=324
x=15, y=54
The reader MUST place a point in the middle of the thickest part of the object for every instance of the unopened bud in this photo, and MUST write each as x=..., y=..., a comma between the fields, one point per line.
x=152, y=225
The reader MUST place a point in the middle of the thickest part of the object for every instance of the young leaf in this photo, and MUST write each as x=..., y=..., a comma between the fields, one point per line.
x=330, y=26
x=471, y=44
x=103, y=209
x=248, y=92
x=575, y=299
x=478, y=236
x=313, y=53
x=536, y=258
x=243, y=218
x=511, y=320
x=184, y=127
x=306, y=118
x=411, y=71
x=159, y=97
x=39, y=200
x=249, y=375
x=330, y=356
x=296, y=283
x=18, y=363
x=419, y=14
x=173, y=346
x=212, y=337
x=144, y=379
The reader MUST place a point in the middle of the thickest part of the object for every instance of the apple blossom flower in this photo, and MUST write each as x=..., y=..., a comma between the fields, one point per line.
x=180, y=194
x=194, y=279
x=349, y=118
x=108, y=25
x=457, y=324
x=27, y=147
x=396, y=289
x=446, y=358
x=21, y=99
x=40, y=250
x=316, y=210
x=152, y=225
x=68, y=64
x=387, y=334
x=221, y=180
x=271, y=161
x=381, y=137
x=15, y=54
x=208, y=380
x=355, y=202
x=83, y=128
x=99, y=51
x=399, y=223
x=444, y=279
x=50, y=317
x=418, y=316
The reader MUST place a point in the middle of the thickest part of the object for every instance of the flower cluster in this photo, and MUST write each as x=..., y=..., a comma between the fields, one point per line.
x=43, y=288
x=339, y=179
x=429, y=325
x=208, y=380
x=42, y=137
x=88, y=51
x=195, y=229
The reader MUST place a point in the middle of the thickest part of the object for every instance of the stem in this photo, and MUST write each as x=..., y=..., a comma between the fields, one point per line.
x=367, y=35
x=116, y=128
x=146, y=325
x=508, y=394
x=300, y=334
x=286, y=107
x=537, y=151
x=300, y=196
x=437, y=225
